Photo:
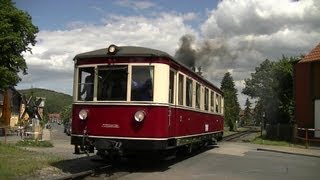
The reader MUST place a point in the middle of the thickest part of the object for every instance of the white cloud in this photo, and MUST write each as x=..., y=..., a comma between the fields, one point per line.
x=51, y=58
x=238, y=36
x=136, y=5
x=254, y=30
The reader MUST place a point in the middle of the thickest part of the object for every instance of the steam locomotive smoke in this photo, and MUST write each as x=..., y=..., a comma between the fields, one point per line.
x=185, y=54
x=211, y=55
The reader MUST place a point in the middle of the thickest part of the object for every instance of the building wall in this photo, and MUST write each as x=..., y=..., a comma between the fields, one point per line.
x=316, y=79
x=307, y=90
x=303, y=105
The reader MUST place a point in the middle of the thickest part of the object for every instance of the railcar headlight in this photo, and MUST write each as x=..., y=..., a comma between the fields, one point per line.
x=83, y=114
x=112, y=49
x=139, y=116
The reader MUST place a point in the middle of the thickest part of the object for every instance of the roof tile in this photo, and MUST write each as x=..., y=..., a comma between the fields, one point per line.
x=314, y=55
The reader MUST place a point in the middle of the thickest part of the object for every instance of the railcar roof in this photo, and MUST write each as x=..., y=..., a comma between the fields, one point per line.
x=124, y=51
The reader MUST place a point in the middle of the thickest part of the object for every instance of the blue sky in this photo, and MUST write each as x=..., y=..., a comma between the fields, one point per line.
x=229, y=36
x=54, y=15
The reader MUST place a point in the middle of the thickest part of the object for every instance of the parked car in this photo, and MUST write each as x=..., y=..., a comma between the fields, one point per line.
x=67, y=128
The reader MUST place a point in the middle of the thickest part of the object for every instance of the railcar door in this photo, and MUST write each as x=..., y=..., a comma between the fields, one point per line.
x=172, y=102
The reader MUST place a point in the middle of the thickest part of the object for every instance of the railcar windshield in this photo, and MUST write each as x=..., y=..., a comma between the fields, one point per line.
x=85, y=84
x=142, y=83
x=112, y=83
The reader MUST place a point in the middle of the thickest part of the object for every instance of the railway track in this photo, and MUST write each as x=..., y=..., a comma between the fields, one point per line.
x=83, y=174
x=239, y=135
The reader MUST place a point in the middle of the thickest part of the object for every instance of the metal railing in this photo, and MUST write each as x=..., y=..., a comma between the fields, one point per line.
x=306, y=137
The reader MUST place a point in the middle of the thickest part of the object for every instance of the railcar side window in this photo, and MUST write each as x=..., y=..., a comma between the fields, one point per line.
x=171, y=87
x=211, y=101
x=85, y=84
x=189, y=92
x=206, y=99
x=218, y=100
x=180, y=86
x=198, y=95
x=112, y=83
x=142, y=83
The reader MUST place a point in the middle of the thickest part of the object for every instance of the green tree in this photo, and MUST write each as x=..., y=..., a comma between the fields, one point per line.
x=231, y=104
x=66, y=113
x=17, y=33
x=258, y=113
x=247, y=117
x=272, y=85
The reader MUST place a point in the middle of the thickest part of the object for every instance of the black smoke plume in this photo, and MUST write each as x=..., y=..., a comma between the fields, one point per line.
x=186, y=54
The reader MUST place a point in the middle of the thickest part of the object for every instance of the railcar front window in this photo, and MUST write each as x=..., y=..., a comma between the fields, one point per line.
x=142, y=83
x=112, y=83
x=85, y=84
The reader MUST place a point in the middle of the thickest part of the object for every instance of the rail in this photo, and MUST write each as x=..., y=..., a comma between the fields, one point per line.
x=306, y=137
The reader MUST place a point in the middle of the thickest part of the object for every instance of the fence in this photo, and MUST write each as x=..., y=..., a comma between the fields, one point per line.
x=306, y=137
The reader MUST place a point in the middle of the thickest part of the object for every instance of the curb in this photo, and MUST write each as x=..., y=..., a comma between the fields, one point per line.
x=285, y=152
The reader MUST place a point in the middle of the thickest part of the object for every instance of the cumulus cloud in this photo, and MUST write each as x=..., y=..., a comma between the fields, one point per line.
x=136, y=5
x=55, y=50
x=236, y=36
x=252, y=31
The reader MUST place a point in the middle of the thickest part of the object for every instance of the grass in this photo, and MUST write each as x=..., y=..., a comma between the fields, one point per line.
x=16, y=162
x=263, y=141
x=34, y=143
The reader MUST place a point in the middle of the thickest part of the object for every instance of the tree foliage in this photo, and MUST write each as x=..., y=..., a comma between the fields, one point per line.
x=66, y=113
x=16, y=34
x=231, y=104
x=272, y=84
x=247, y=116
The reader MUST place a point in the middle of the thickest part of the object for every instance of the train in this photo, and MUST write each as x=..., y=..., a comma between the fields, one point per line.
x=129, y=99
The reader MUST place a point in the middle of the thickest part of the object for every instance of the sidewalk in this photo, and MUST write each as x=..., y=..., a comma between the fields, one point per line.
x=296, y=150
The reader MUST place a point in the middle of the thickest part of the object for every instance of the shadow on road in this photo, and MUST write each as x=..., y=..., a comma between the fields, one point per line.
x=143, y=163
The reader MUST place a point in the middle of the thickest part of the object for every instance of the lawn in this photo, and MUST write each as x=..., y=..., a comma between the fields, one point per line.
x=16, y=162
x=264, y=141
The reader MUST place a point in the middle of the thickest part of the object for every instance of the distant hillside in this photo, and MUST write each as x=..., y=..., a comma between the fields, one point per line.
x=55, y=101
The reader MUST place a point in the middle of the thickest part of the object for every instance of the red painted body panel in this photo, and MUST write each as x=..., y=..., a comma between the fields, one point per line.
x=194, y=122
x=109, y=120
x=118, y=121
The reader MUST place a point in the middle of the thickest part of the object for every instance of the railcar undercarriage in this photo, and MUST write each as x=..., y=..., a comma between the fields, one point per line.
x=111, y=149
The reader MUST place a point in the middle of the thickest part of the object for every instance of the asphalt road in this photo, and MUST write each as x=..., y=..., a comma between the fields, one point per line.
x=230, y=160
x=236, y=161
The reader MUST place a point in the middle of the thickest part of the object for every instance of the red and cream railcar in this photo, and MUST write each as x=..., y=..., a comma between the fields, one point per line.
x=130, y=99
